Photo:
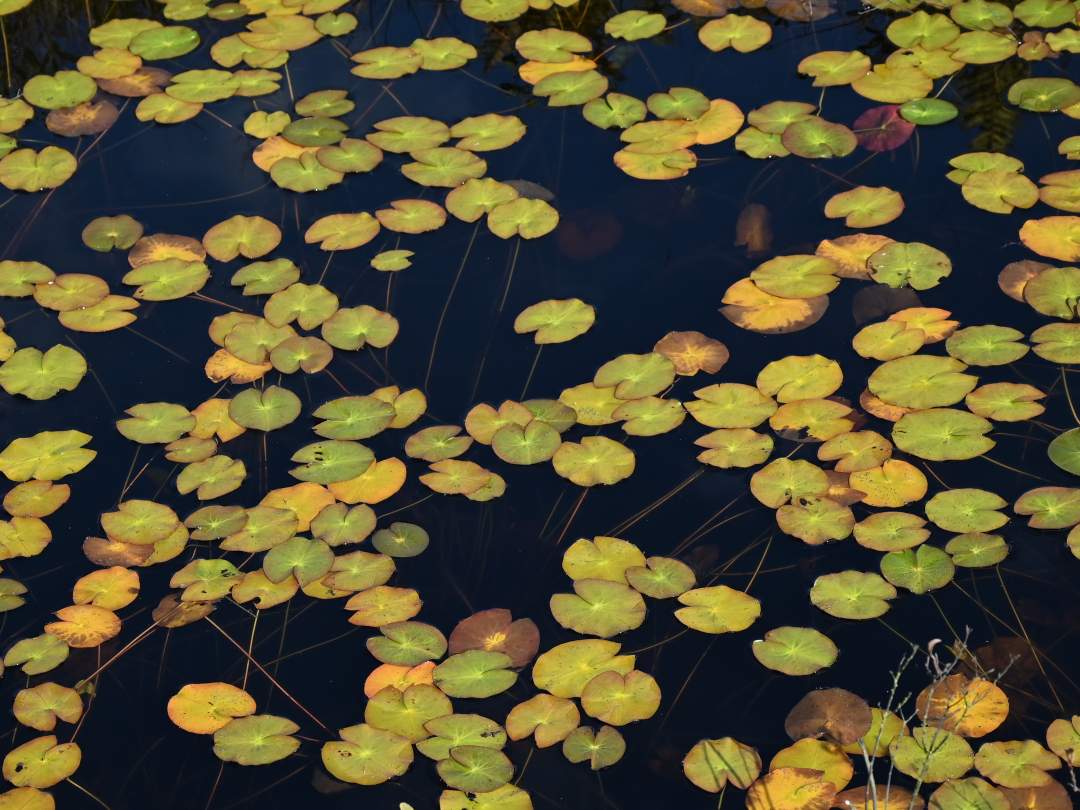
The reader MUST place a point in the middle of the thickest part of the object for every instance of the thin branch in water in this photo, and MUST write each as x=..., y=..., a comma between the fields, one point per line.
x=161, y=346
x=446, y=304
x=251, y=646
x=1027, y=638
x=76, y=785
x=1005, y=466
x=266, y=673
x=326, y=266
x=573, y=514
x=641, y=514
x=510, y=275
x=532, y=371
x=1068, y=396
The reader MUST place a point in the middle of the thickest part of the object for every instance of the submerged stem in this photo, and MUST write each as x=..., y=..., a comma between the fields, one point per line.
x=446, y=305
x=510, y=275
x=269, y=677
x=7, y=55
x=532, y=371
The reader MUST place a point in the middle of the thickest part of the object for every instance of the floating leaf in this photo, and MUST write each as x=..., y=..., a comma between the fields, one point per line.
x=41, y=763
x=795, y=651
x=40, y=375
x=475, y=674
x=367, y=755
x=852, y=595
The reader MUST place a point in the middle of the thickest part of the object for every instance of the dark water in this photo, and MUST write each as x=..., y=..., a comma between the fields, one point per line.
x=651, y=257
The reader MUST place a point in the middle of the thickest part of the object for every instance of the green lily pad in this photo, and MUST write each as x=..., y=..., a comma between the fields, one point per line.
x=409, y=644
x=966, y=510
x=783, y=480
x=740, y=32
x=443, y=53
x=352, y=328
x=527, y=218
x=1050, y=507
x=367, y=756
x=614, y=110
x=455, y=730
x=46, y=456
x=392, y=261
x=931, y=754
x=942, y=434
x=571, y=88
x=63, y=89
x=618, y=699
x=835, y=68
x=567, y=668
x=41, y=763
x=595, y=460
x=386, y=62
x=918, y=570
x=37, y=654
x=408, y=133
x=212, y=477
x=168, y=42
x=634, y=25
x=475, y=769
x=712, y=764
x=1064, y=450
x=977, y=550
x=476, y=198
x=330, y=461
x=475, y=674
x=156, y=422
x=256, y=740
x=968, y=794
x=1016, y=763
x=404, y=712
x=112, y=233
x=852, y=595
x=815, y=520
x=1044, y=94
x=401, y=540
x=353, y=417
x=359, y=570
x=304, y=174
x=795, y=650
x=599, y=608
x=268, y=409
x=661, y=577
x=922, y=381
x=912, y=264
x=601, y=748
x=926, y=112
x=27, y=170
x=350, y=156
x=555, y=321
x=717, y=609
x=306, y=560
x=443, y=167
x=815, y=138
x=41, y=375
x=250, y=237
x=1006, y=402
x=205, y=580
x=167, y=279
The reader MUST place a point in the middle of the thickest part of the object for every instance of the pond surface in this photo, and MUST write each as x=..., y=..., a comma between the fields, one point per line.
x=650, y=256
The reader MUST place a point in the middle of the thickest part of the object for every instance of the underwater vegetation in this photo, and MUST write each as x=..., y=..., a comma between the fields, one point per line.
x=540, y=403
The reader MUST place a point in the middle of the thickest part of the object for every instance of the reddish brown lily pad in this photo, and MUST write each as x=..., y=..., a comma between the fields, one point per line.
x=495, y=630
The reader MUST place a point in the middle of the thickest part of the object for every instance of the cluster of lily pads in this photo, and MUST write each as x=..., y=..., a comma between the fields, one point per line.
x=831, y=726
x=298, y=541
